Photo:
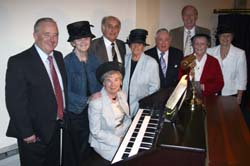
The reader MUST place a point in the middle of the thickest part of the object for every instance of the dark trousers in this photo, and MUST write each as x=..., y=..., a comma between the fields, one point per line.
x=95, y=159
x=39, y=153
x=78, y=127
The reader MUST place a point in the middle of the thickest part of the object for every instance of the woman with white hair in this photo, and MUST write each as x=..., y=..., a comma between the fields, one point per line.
x=108, y=113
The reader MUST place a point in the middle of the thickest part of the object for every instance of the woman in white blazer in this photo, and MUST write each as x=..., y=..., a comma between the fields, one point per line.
x=233, y=63
x=108, y=112
x=141, y=71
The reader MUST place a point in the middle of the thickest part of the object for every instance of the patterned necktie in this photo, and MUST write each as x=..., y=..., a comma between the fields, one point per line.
x=57, y=88
x=114, y=55
x=188, y=46
x=163, y=64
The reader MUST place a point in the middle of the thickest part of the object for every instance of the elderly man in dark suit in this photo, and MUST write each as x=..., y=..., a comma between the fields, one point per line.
x=35, y=98
x=108, y=47
x=168, y=58
x=182, y=35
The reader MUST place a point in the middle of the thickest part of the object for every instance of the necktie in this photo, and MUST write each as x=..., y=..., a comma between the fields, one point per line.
x=114, y=55
x=57, y=88
x=188, y=46
x=163, y=64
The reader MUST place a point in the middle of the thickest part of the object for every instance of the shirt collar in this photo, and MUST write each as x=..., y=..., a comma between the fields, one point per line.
x=159, y=53
x=42, y=54
x=107, y=42
x=191, y=30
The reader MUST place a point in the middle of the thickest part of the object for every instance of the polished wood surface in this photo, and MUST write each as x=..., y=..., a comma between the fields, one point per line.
x=228, y=137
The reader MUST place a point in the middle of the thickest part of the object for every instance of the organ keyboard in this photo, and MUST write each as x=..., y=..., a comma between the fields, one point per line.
x=140, y=135
x=152, y=140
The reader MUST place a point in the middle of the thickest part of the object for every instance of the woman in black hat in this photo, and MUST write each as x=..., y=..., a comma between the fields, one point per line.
x=142, y=71
x=108, y=113
x=233, y=63
x=80, y=67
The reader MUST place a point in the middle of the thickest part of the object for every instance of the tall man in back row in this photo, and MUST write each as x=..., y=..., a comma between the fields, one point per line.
x=182, y=35
x=108, y=47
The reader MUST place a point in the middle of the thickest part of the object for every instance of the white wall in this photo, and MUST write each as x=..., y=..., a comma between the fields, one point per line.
x=17, y=20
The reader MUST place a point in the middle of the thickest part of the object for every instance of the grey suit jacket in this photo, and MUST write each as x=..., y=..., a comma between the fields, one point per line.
x=178, y=34
x=104, y=136
x=98, y=49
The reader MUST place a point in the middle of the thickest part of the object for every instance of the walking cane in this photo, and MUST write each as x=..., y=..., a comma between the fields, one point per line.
x=61, y=139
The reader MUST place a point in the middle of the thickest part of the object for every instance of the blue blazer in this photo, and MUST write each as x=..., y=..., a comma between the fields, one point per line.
x=81, y=81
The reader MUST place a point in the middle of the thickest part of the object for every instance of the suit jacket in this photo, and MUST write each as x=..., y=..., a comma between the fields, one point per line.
x=98, y=49
x=30, y=97
x=211, y=76
x=174, y=59
x=104, y=136
x=178, y=34
x=144, y=81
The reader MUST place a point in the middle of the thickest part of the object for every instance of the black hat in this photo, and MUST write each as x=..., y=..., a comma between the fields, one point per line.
x=201, y=35
x=109, y=66
x=138, y=36
x=223, y=29
x=79, y=30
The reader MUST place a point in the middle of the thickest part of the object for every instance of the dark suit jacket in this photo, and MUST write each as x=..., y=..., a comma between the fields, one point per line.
x=178, y=34
x=30, y=98
x=211, y=76
x=98, y=49
x=174, y=59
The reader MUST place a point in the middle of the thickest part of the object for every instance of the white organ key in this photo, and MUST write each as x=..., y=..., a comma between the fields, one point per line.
x=126, y=139
x=139, y=138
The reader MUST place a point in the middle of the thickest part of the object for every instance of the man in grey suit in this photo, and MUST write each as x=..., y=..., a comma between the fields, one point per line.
x=108, y=47
x=181, y=36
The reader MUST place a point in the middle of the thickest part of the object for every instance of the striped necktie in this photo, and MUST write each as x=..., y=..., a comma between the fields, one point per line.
x=188, y=46
x=163, y=64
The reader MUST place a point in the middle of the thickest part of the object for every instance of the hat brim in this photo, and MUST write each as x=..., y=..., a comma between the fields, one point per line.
x=137, y=41
x=222, y=32
x=72, y=38
x=109, y=66
x=201, y=35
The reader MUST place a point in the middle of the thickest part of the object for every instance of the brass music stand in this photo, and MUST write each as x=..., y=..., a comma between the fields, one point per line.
x=189, y=63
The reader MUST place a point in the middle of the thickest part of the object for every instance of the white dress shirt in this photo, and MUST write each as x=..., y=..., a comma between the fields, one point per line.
x=109, y=50
x=198, y=69
x=185, y=38
x=44, y=58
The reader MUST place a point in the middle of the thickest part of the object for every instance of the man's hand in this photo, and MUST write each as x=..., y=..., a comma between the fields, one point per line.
x=31, y=139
